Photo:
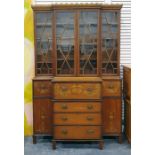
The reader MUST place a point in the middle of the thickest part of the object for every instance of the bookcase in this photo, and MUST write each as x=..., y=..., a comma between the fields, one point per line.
x=77, y=87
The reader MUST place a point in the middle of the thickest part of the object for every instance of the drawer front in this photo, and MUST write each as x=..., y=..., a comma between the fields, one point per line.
x=77, y=119
x=77, y=107
x=77, y=91
x=77, y=132
x=42, y=88
x=111, y=88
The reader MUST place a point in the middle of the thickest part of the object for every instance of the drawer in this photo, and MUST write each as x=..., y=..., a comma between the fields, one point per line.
x=77, y=107
x=77, y=90
x=77, y=132
x=77, y=119
x=111, y=88
x=42, y=88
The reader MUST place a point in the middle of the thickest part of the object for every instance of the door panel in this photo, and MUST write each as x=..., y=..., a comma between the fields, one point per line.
x=42, y=109
x=43, y=39
x=111, y=115
x=110, y=42
x=65, y=42
x=88, y=25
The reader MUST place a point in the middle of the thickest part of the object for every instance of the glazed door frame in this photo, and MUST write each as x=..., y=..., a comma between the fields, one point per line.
x=97, y=43
x=118, y=43
x=55, y=41
x=76, y=41
x=35, y=42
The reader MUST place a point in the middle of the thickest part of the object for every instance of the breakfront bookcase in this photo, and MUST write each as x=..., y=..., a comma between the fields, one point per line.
x=77, y=86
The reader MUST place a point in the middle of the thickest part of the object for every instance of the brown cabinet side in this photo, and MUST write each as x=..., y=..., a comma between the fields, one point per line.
x=111, y=116
x=42, y=114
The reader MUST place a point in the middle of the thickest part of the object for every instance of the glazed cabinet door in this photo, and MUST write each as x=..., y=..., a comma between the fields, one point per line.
x=65, y=45
x=111, y=116
x=42, y=110
x=88, y=31
x=43, y=43
x=110, y=42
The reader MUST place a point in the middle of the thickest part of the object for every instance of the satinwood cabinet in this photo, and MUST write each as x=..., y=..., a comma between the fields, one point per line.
x=77, y=86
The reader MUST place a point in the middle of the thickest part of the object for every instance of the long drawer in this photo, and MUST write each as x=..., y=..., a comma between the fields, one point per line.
x=79, y=90
x=77, y=132
x=77, y=119
x=77, y=107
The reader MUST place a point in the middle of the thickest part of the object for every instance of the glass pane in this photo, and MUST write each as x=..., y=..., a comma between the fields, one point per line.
x=65, y=42
x=43, y=42
x=109, y=42
x=88, y=42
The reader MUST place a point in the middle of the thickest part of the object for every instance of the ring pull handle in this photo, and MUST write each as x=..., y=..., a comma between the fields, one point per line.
x=64, y=88
x=64, y=131
x=90, y=131
x=89, y=118
x=90, y=107
x=90, y=89
x=64, y=106
x=111, y=86
x=64, y=118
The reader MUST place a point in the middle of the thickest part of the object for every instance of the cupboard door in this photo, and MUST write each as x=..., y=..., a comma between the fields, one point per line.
x=111, y=116
x=110, y=42
x=43, y=42
x=88, y=23
x=42, y=120
x=65, y=42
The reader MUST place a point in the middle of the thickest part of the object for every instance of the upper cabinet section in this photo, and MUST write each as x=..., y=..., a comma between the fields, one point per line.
x=110, y=42
x=88, y=27
x=43, y=41
x=77, y=40
x=65, y=42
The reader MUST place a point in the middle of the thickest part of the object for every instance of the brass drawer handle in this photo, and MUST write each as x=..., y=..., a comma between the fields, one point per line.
x=90, y=131
x=64, y=132
x=90, y=107
x=89, y=118
x=90, y=89
x=64, y=88
x=43, y=86
x=111, y=116
x=64, y=118
x=42, y=117
x=64, y=106
x=111, y=86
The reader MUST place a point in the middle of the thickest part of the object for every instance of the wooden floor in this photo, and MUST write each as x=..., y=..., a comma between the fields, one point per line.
x=43, y=147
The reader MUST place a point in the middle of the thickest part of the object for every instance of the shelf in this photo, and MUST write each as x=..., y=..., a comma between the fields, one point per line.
x=64, y=38
x=88, y=44
x=43, y=40
x=43, y=24
x=105, y=62
x=108, y=38
x=59, y=59
x=108, y=24
x=44, y=62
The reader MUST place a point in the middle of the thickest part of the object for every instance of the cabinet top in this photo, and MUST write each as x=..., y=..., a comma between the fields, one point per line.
x=44, y=7
x=76, y=79
x=127, y=66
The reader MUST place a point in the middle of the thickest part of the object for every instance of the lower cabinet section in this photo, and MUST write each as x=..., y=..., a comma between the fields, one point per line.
x=77, y=132
x=112, y=116
x=69, y=116
x=42, y=111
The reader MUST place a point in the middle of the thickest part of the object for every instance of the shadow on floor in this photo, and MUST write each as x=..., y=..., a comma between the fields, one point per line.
x=44, y=147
